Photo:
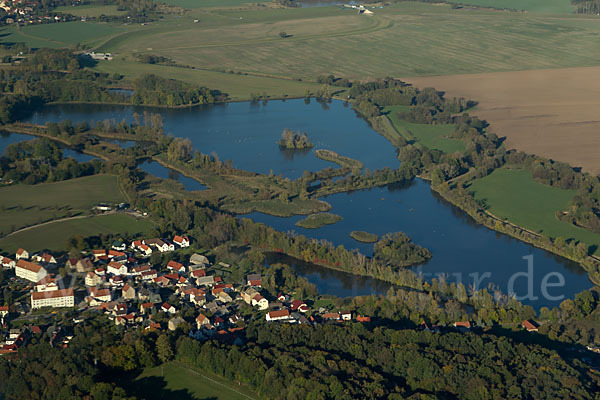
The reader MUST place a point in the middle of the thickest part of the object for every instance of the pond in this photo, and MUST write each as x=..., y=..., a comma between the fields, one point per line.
x=462, y=250
x=154, y=168
x=8, y=138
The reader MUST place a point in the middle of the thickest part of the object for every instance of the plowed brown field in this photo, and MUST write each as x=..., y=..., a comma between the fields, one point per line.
x=552, y=113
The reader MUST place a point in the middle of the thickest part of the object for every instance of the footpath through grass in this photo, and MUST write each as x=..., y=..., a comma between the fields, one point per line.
x=26, y=205
x=516, y=196
x=176, y=381
x=430, y=136
x=53, y=236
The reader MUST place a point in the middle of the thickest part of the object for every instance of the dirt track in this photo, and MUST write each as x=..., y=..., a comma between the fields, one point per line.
x=553, y=113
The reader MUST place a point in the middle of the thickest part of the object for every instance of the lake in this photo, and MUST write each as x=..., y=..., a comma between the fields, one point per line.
x=462, y=250
x=247, y=133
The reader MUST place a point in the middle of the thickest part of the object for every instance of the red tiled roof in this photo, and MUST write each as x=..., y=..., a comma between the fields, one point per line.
x=529, y=325
x=29, y=266
x=279, y=314
x=52, y=294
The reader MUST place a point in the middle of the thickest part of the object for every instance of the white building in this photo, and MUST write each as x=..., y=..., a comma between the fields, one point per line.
x=181, y=241
x=100, y=295
x=278, y=315
x=21, y=253
x=55, y=298
x=91, y=279
x=30, y=271
x=47, y=284
x=116, y=268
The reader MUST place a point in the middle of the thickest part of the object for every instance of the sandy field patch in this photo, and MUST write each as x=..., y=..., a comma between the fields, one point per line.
x=552, y=113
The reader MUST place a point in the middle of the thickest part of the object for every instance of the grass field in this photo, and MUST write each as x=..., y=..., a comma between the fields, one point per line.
x=513, y=194
x=416, y=39
x=538, y=6
x=176, y=381
x=90, y=10
x=238, y=87
x=64, y=34
x=205, y=3
x=53, y=236
x=430, y=136
x=26, y=205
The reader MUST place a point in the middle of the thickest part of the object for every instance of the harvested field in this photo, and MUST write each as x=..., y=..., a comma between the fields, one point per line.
x=551, y=113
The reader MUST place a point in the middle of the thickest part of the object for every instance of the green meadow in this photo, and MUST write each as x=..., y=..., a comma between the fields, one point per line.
x=536, y=6
x=430, y=136
x=176, y=381
x=90, y=10
x=514, y=195
x=26, y=205
x=54, y=236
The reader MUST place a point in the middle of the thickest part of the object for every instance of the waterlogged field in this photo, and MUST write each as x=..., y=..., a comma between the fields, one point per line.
x=54, y=236
x=513, y=194
x=26, y=205
x=431, y=136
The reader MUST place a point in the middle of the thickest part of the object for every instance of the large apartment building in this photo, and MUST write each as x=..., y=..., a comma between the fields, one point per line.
x=55, y=298
x=30, y=271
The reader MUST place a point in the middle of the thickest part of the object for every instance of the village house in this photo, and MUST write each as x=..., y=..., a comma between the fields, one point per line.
x=199, y=259
x=100, y=271
x=169, y=309
x=116, y=268
x=205, y=280
x=181, y=241
x=278, y=315
x=149, y=275
x=299, y=305
x=176, y=267
x=146, y=308
x=30, y=271
x=197, y=273
x=3, y=311
x=162, y=281
x=128, y=292
x=118, y=245
x=84, y=265
x=136, y=271
x=98, y=253
x=224, y=297
x=22, y=253
x=91, y=279
x=7, y=263
x=346, y=315
x=530, y=326
x=44, y=258
x=97, y=296
x=253, y=280
x=362, y=318
x=462, y=325
x=46, y=284
x=201, y=321
x=331, y=316
x=159, y=245
x=117, y=255
x=55, y=298
x=260, y=302
x=116, y=281
x=175, y=322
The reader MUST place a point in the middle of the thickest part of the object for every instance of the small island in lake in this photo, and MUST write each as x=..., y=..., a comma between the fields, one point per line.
x=315, y=221
x=365, y=237
x=398, y=249
x=294, y=141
